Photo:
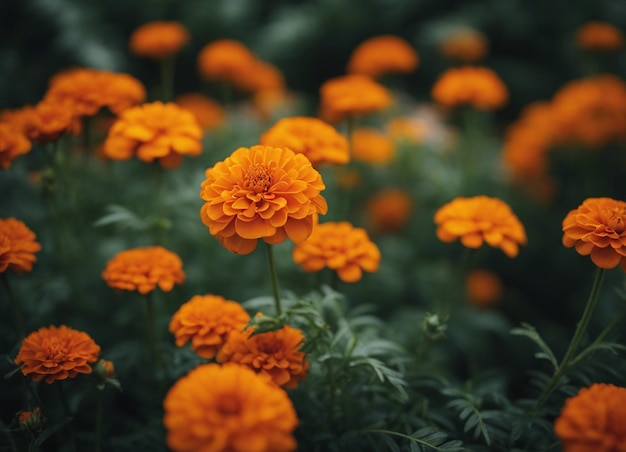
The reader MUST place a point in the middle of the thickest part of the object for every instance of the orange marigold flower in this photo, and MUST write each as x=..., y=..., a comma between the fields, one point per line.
x=261, y=192
x=340, y=247
x=56, y=353
x=389, y=210
x=372, y=146
x=381, y=55
x=483, y=288
x=597, y=228
x=50, y=120
x=600, y=36
x=154, y=131
x=224, y=60
x=13, y=143
x=317, y=140
x=480, y=219
x=31, y=419
x=143, y=269
x=228, y=408
x=260, y=76
x=104, y=369
x=464, y=44
x=159, y=39
x=17, y=246
x=209, y=114
x=478, y=87
x=275, y=354
x=593, y=420
x=207, y=320
x=352, y=95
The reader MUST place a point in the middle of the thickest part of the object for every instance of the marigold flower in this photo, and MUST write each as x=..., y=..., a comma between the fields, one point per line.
x=209, y=114
x=228, y=408
x=372, y=146
x=261, y=76
x=207, y=320
x=261, y=192
x=31, y=419
x=17, y=246
x=480, y=219
x=341, y=247
x=478, y=87
x=13, y=143
x=593, y=420
x=50, y=120
x=159, y=39
x=352, y=95
x=600, y=36
x=381, y=55
x=56, y=353
x=464, y=44
x=104, y=369
x=224, y=60
x=318, y=141
x=154, y=131
x=389, y=210
x=483, y=288
x=143, y=269
x=273, y=354
x=597, y=228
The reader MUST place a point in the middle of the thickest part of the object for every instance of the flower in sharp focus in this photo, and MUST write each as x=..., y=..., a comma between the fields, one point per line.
x=381, y=55
x=478, y=87
x=13, y=143
x=155, y=131
x=56, y=353
x=209, y=114
x=483, y=288
x=17, y=246
x=593, y=420
x=600, y=36
x=143, y=269
x=352, y=95
x=340, y=247
x=159, y=39
x=317, y=140
x=371, y=146
x=597, y=228
x=261, y=192
x=480, y=219
x=228, y=408
x=224, y=60
x=274, y=354
x=464, y=44
x=389, y=210
x=206, y=321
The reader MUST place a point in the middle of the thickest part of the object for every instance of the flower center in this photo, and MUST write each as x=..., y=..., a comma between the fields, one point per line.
x=257, y=178
x=268, y=345
x=617, y=220
x=228, y=406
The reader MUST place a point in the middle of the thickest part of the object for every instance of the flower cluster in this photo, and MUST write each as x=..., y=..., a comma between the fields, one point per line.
x=17, y=246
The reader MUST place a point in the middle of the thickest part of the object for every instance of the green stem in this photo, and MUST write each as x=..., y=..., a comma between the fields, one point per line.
x=151, y=332
x=274, y=278
x=66, y=414
x=350, y=126
x=19, y=319
x=167, y=79
x=99, y=420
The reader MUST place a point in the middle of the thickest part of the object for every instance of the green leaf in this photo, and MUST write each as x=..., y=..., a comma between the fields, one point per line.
x=546, y=352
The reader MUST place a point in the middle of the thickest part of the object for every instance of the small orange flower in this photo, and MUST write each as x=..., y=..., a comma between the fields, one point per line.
x=56, y=353
x=341, y=247
x=209, y=114
x=13, y=143
x=597, y=228
x=274, y=354
x=31, y=419
x=261, y=192
x=464, y=44
x=17, y=246
x=478, y=87
x=154, y=131
x=261, y=76
x=50, y=120
x=483, y=288
x=600, y=36
x=318, y=141
x=389, y=210
x=159, y=39
x=480, y=219
x=228, y=408
x=381, y=55
x=593, y=420
x=143, y=269
x=224, y=60
x=207, y=320
x=372, y=146
x=352, y=95
x=104, y=369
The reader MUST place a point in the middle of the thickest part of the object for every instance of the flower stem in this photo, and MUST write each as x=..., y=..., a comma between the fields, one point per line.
x=151, y=332
x=19, y=319
x=274, y=278
x=167, y=79
x=99, y=420
x=66, y=414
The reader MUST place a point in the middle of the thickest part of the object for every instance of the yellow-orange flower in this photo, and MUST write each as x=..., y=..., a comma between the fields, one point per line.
x=599, y=36
x=207, y=320
x=597, y=228
x=154, y=131
x=50, y=119
x=593, y=420
x=380, y=55
x=17, y=246
x=464, y=44
x=275, y=355
x=483, y=288
x=389, y=210
x=340, y=247
x=372, y=146
x=261, y=192
x=260, y=76
x=56, y=353
x=352, y=95
x=478, y=87
x=228, y=409
x=13, y=143
x=143, y=269
x=318, y=141
x=480, y=219
x=209, y=114
x=224, y=60
x=159, y=39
